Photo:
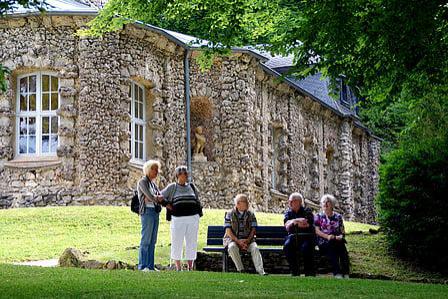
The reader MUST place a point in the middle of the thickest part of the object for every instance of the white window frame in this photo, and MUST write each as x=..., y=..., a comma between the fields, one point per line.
x=137, y=121
x=38, y=114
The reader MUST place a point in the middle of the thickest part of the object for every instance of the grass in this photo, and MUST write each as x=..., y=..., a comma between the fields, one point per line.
x=21, y=281
x=106, y=233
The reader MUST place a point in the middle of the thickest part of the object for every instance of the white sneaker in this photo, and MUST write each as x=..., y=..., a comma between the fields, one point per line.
x=346, y=276
x=145, y=270
x=338, y=276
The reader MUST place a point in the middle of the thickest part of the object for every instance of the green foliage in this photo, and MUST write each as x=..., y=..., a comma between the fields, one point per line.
x=412, y=200
x=4, y=72
x=7, y=5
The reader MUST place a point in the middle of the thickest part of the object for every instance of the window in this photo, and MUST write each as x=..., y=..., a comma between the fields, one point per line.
x=275, y=178
x=37, y=122
x=138, y=122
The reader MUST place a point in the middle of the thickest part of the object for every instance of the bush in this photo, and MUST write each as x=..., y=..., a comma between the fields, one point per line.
x=413, y=201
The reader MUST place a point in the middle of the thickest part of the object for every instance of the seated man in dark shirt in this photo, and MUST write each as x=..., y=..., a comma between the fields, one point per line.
x=299, y=222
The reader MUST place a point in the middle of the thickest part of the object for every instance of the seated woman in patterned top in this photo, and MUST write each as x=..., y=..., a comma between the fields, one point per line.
x=330, y=232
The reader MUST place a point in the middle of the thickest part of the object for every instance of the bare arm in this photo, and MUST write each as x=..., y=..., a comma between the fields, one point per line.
x=251, y=235
x=289, y=224
x=322, y=234
x=231, y=235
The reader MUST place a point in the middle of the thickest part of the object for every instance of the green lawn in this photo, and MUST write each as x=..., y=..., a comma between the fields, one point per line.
x=106, y=233
x=22, y=281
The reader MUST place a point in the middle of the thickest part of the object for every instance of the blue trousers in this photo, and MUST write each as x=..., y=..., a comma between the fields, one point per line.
x=338, y=255
x=150, y=225
x=305, y=247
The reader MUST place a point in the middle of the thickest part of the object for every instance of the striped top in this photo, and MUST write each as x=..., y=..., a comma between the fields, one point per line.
x=183, y=199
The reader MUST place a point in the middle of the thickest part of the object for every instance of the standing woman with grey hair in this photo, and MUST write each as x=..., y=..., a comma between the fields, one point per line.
x=149, y=209
x=330, y=231
x=182, y=202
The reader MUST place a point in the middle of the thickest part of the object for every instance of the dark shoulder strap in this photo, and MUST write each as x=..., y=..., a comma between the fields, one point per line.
x=194, y=190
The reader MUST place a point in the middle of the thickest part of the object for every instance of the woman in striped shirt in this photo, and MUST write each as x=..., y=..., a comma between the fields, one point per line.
x=181, y=198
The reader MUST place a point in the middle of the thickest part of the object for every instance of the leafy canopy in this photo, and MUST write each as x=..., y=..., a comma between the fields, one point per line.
x=380, y=46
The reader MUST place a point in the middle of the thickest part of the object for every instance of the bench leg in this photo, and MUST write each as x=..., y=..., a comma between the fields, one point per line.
x=224, y=261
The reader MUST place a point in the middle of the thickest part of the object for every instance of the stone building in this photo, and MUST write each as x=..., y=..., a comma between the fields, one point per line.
x=81, y=115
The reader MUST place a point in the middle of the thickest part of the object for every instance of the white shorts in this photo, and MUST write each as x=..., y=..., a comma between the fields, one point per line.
x=184, y=228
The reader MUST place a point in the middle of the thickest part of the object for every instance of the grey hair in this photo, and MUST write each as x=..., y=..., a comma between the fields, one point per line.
x=240, y=197
x=296, y=195
x=328, y=198
x=179, y=169
x=149, y=164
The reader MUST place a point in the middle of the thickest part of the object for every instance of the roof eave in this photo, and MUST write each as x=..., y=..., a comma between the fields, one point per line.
x=306, y=93
x=51, y=13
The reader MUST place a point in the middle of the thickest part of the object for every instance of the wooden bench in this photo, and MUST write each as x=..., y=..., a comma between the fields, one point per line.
x=265, y=236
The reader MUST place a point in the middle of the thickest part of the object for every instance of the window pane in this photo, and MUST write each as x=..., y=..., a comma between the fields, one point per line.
x=23, y=86
x=32, y=82
x=54, y=84
x=45, y=101
x=140, y=95
x=54, y=143
x=32, y=144
x=54, y=125
x=140, y=108
x=140, y=156
x=136, y=132
x=32, y=126
x=32, y=101
x=140, y=135
x=23, y=105
x=45, y=144
x=45, y=125
x=23, y=126
x=45, y=83
x=136, y=150
x=135, y=109
x=22, y=144
x=54, y=101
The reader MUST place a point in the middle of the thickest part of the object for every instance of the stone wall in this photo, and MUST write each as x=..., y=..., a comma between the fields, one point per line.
x=273, y=263
x=263, y=137
x=92, y=162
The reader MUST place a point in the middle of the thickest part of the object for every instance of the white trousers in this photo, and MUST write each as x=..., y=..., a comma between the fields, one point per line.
x=234, y=252
x=184, y=228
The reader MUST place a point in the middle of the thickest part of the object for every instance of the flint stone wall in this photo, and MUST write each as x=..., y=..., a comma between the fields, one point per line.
x=263, y=137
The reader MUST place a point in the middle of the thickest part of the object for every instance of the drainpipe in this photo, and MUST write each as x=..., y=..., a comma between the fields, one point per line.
x=187, y=110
